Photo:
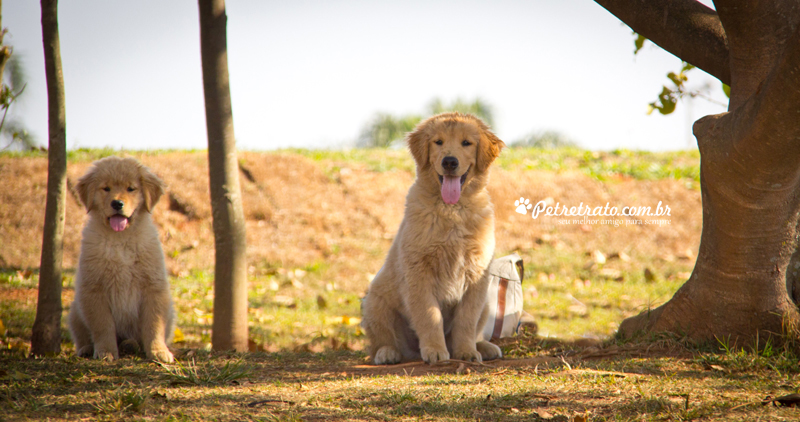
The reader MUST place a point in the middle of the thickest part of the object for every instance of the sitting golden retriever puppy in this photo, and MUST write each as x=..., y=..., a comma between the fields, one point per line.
x=122, y=294
x=429, y=298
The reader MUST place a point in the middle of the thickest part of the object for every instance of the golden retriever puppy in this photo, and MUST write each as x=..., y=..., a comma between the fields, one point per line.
x=122, y=295
x=429, y=298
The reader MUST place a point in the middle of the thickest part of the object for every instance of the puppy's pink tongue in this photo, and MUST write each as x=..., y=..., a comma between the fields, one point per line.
x=118, y=223
x=451, y=189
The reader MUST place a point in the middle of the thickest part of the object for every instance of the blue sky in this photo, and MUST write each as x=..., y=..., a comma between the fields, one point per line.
x=310, y=74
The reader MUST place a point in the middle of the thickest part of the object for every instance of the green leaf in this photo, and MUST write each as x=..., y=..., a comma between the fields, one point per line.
x=638, y=43
x=668, y=101
x=676, y=79
x=727, y=90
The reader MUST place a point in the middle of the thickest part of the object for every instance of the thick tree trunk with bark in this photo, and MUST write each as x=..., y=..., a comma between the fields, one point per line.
x=46, y=338
x=230, y=330
x=745, y=282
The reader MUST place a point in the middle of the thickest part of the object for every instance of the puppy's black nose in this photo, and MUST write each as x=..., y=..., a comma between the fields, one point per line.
x=117, y=204
x=450, y=163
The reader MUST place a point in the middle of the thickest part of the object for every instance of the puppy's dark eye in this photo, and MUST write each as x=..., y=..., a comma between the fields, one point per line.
x=131, y=189
x=466, y=143
x=107, y=189
x=439, y=142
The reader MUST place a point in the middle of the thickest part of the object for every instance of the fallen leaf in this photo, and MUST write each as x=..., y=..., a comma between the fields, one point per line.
x=649, y=275
x=577, y=307
x=343, y=320
x=688, y=254
x=178, y=336
x=598, y=257
x=610, y=273
x=252, y=346
x=282, y=300
x=19, y=376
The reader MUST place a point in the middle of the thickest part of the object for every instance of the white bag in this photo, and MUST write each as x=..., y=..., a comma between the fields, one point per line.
x=504, y=297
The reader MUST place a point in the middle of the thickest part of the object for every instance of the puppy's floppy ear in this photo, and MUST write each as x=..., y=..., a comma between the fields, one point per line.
x=86, y=187
x=152, y=187
x=419, y=146
x=489, y=148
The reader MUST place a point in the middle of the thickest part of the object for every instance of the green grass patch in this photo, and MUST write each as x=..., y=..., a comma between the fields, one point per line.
x=205, y=374
x=374, y=159
x=91, y=154
x=605, y=165
x=602, y=165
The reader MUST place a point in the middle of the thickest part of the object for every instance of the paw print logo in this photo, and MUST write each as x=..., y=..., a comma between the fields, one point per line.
x=523, y=205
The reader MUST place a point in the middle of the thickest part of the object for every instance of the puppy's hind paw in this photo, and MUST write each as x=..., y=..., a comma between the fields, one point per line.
x=85, y=351
x=129, y=347
x=161, y=355
x=433, y=356
x=387, y=355
x=488, y=350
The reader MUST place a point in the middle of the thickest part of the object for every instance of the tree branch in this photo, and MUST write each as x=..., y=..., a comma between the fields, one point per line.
x=685, y=28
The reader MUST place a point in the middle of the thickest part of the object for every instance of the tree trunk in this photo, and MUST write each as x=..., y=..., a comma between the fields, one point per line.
x=230, y=274
x=46, y=338
x=741, y=289
x=5, y=52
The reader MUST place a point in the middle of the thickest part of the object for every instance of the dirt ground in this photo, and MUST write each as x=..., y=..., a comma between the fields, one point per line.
x=300, y=211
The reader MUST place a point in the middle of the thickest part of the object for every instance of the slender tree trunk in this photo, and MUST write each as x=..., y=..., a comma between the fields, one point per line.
x=741, y=288
x=5, y=52
x=46, y=337
x=230, y=274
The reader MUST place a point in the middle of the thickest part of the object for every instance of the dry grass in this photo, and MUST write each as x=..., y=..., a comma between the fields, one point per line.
x=319, y=225
x=561, y=383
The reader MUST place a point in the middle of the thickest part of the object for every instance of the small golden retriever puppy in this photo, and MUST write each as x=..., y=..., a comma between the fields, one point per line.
x=122, y=295
x=429, y=298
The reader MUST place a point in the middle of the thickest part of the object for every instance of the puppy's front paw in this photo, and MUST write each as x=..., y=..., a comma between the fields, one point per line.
x=387, y=355
x=488, y=350
x=106, y=355
x=469, y=355
x=161, y=355
x=432, y=356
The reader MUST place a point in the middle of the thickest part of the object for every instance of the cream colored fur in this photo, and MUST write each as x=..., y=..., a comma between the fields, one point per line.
x=122, y=293
x=429, y=298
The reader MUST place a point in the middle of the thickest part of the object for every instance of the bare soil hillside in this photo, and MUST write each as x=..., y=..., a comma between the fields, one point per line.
x=342, y=214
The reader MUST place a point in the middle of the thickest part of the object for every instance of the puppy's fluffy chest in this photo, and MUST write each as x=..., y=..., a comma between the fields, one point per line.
x=454, y=242
x=122, y=252
x=121, y=249
x=116, y=259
